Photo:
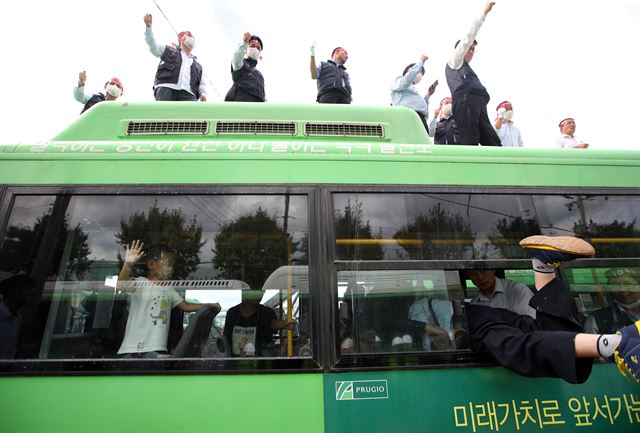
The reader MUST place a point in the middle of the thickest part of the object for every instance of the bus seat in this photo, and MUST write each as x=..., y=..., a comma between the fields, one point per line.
x=196, y=334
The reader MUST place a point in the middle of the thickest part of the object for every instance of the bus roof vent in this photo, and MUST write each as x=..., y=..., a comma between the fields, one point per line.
x=167, y=127
x=367, y=130
x=256, y=128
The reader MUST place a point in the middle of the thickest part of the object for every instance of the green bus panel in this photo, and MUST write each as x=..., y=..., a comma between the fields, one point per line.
x=477, y=400
x=444, y=167
x=283, y=403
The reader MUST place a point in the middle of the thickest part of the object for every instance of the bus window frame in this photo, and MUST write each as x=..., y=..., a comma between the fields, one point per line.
x=119, y=366
x=431, y=360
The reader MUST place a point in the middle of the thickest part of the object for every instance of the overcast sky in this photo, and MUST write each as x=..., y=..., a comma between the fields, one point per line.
x=552, y=59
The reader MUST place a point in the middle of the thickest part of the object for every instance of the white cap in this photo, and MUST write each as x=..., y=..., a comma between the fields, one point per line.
x=396, y=341
x=406, y=339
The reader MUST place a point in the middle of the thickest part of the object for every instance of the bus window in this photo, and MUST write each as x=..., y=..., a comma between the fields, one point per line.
x=225, y=247
x=399, y=311
x=439, y=226
x=607, y=298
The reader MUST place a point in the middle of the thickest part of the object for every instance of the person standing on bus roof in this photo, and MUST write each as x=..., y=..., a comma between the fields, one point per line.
x=248, y=82
x=113, y=90
x=553, y=344
x=508, y=132
x=179, y=76
x=332, y=78
x=443, y=126
x=151, y=301
x=470, y=98
x=567, y=129
x=405, y=94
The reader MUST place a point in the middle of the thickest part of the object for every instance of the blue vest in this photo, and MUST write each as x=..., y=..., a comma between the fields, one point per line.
x=98, y=97
x=169, y=70
x=464, y=80
x=446, y=132
x=333, y=77
x=246, y=81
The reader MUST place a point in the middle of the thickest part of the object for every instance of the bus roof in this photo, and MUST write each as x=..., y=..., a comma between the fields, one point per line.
x=250, y=143
x=232, y=121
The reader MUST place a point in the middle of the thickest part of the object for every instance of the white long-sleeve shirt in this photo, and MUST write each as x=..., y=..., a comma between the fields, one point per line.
x=457, y=58
x=509, y=134
x=184, y=79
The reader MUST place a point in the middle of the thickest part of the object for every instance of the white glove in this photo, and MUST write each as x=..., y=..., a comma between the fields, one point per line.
x=501, y=112
x=312, y=49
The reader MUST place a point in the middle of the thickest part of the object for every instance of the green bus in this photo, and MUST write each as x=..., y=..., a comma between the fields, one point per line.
x=347, y=223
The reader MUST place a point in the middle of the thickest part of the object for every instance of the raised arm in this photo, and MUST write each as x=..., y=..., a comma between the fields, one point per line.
x=78, y=91
x=155, y=48
x=404, y=82
x=457, y=59
x=132, y=255
x=238, y=56
x=313, y=69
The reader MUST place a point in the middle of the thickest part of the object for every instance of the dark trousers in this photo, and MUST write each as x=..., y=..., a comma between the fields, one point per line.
x=472, y=120
x=424, y=121
x=245, y=97
x=167, y=94
x=334, y=97
x=540, y=347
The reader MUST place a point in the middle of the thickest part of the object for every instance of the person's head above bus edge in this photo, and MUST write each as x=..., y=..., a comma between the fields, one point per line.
x=113, y=89
x=339, y=55
x=187, y=41
x=418, y=77
x=254, y=46
x=567, y=126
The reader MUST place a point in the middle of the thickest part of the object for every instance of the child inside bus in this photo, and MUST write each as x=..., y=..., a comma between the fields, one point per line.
x=151, y=301
x=249, y=326
x=553, y=344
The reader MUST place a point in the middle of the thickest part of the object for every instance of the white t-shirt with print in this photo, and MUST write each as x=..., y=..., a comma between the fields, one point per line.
x=149, y=315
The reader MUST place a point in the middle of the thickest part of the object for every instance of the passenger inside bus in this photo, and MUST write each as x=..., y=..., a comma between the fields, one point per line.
x=151, y=301
x=249, y=326
x=500, y=292
x=17, y=291
x=554, y=343
x=622, y=306
x=375, y=317
x=437, y=316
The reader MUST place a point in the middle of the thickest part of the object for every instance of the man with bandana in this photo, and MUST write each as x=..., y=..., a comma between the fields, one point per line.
x=405, y=94
x=508, y=132
x=112, y=88
x=248, y=82
x=567, y=129
x=443, y=126
x=332, y=78
x=179, y=76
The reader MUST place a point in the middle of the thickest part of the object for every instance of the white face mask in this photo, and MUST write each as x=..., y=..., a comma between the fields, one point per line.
x=508, y=115
x=189, y=42
x=418, y=78
x=253, y=53
x=446, y=109
x=113, y=90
